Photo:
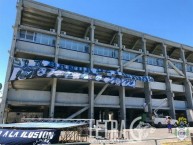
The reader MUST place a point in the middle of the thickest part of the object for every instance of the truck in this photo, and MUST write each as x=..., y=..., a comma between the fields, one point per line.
x=160, y=120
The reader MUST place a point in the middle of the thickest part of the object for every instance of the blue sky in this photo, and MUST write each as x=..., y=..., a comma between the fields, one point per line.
x=169, y=19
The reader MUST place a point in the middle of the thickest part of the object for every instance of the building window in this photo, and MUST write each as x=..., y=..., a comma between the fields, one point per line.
x=155, y=61
x=126, y=56
x=37, y=37
x=22, y=34
x=129, y=56
x=177, y=64
x=30, y=36
x=189, y=68
x=74, y=45
x=104, y=51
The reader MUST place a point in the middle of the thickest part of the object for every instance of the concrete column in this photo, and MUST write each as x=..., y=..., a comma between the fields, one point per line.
x=92, y=28
x=147, y=89
x=170, y=97
x=3, y=106
x=121, y=89
x=122, y=103
x=91, y=83
x=54, y=80
x=120, y=36
x=91, y=100
x=169, y=92
x=187, y=84
x=53, y=97
x=57, y=46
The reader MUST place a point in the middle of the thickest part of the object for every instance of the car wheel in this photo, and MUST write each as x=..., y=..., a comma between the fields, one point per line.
x=159, y=125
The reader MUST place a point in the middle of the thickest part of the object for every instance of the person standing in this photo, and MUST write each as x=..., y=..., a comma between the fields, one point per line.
x=169, y=125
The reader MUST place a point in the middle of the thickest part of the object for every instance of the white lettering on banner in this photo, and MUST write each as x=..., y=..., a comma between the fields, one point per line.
x=32, y=134
x=29, y=69
x=5, y=134
x=36, y=135
x=12, y=134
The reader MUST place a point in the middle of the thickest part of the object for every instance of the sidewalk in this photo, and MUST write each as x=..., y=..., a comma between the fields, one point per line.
x=149, y=137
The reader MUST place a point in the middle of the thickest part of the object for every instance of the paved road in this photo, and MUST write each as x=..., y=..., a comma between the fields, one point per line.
x=147, y=136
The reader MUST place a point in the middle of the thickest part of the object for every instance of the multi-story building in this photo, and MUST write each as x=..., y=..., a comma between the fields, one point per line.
x=43, y=32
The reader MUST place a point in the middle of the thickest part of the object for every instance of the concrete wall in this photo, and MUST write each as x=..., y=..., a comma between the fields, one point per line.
x=181, y=105
x=107, y=100
x=161, y=86
x=34, y=48
x=105, y=60
x=189, y=74
x=173, y=72
x=134, y=65
x=134, y=102
x=158, y=102
x=28, y=96
x=152, y=68
x=69, y=54
x=177, y=88
x=71, y=98
x=158, y=86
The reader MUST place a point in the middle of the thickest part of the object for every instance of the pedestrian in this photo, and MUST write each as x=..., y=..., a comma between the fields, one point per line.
x=169, y=125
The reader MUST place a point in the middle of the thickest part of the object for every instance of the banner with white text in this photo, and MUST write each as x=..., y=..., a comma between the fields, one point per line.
x=29, y=137
x=28, y=69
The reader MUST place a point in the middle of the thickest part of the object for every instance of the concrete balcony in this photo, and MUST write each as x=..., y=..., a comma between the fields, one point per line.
x=153, y=68
x=71, y=99
x=107, y=100
x=34, y=48
x=73, y=55
x=105, y=60
x=25, y=97
x=134, y=65
x=161, y=86
x=31, y=97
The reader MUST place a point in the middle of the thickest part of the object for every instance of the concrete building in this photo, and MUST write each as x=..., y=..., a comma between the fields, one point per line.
x=43, y=32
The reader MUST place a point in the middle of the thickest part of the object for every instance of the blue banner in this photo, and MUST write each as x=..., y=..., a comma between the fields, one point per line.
x=28, y=69
x=29, y=137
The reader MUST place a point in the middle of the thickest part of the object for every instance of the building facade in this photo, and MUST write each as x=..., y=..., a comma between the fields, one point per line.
x=43, y=32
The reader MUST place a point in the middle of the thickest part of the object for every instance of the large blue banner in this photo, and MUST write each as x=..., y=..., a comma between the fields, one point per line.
x=29, y=137
x=28, y=69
